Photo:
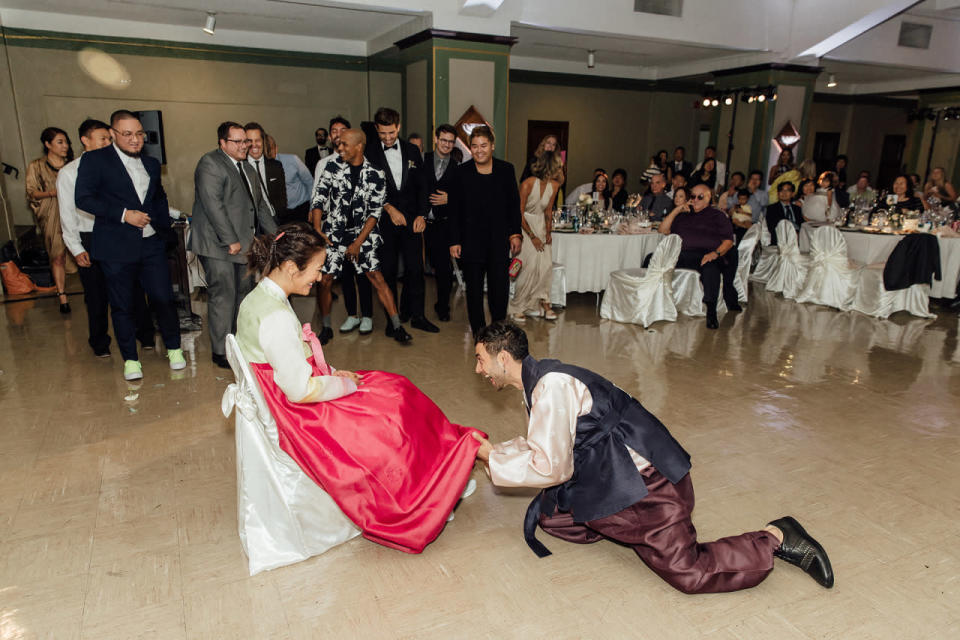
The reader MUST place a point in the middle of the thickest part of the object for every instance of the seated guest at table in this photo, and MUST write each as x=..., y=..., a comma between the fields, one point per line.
x=382, y=449
x=916, y=184
x=831, y=180
x=586, y=187
x=902, y=199
x=707, y=247
x=794, y=176
x=720, y=168
x=729, y=198
x=601, y=191
x=758, y=195
x=817, y=205
x=679, y=164
x=861, y=194
x=706, y=175
x=840, y=169
x=784, y=209
x=784, y=164
x=663, y=163
x=741, y=215
x=678, y=180
x=618, y=195
x=657, y=202
x=939, y=187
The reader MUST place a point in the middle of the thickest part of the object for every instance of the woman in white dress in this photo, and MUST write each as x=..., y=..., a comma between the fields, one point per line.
x=531, y=295
x=819, y=204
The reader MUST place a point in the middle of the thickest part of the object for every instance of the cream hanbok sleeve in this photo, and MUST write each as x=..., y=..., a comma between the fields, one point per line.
x=545, y=457
x=279, y=337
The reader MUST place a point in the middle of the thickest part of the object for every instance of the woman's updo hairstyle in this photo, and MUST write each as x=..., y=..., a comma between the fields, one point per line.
x=296, y=241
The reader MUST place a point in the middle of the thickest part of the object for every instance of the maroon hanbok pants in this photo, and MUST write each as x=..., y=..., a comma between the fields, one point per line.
x=660, y=531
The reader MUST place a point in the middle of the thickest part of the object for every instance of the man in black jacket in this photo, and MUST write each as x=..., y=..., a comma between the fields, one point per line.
x=439, y=169
x=485, y=227
x=783, y=209
x=405, y=220
x=273, y=182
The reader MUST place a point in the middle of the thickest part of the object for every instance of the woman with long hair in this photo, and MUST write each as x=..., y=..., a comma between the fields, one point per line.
x=601, y=190
x=549, y=143
x=784, y=164
x=41, y=189
x=707, y=175
x=939, y=187
x=382, y=449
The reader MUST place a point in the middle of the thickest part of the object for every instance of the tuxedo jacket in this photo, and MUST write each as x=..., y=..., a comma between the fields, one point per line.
x=444, y=183
x=311, y=157
x=410, y=196
x=776, y=212
x=104, y=189
x=276, y=184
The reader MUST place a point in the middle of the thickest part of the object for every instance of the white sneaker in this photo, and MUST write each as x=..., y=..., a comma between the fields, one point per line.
x=349, y=324
x=470, y=488
x=366, y=326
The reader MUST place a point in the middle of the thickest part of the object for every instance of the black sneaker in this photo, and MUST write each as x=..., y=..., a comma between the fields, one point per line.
x=326, y=335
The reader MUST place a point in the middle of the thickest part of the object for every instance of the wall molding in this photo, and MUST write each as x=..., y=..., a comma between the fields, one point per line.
x=525, y=76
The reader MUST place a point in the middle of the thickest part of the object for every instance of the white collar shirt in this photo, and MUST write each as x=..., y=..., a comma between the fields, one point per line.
x=260, y=165
x=394, y=161
x=141, y=181
x=73, y=221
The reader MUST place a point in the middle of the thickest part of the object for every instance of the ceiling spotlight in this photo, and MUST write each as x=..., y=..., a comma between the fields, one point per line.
x=831, y=81
x=751, y=98
x=211, y=24
x=706, y=102
x=728, y=100
x=714, y=102
x=591, y=59
x=761, y=97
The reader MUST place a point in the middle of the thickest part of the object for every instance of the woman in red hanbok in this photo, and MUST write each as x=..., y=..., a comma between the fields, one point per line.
x=379, y=446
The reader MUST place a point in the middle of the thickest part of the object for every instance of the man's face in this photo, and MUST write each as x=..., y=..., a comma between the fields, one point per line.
x=254, y=144
x=350, y=148
x=786, y=194
x=482, y=149
x=657, y=184
x=489, y=367
x=388, y=133
x=417, y=142
x=701, y=197
x=678, y=155
x=97, y=139
x=444, y=143
x=618, y=180
x=862, y=183
x=321, y=136
x=736, y=182
x=679, y=181
x=235, y=145
x=710, y=153
x=754, y=182
x=336, y=131
x=128, y=134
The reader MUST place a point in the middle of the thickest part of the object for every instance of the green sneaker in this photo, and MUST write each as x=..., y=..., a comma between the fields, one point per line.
x=132, y=370
x=177, y=361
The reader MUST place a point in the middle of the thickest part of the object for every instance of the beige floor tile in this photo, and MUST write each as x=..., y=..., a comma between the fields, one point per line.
x=248, y=608
x=46, y=557
x=150, y=622
x=144, y=582
x=44, y=608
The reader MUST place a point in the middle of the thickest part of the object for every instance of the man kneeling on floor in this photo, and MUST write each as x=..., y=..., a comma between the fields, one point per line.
x=610, y=470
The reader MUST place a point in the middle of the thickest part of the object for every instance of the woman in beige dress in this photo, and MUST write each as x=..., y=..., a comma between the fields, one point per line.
x=41, y=187
x=531, y=295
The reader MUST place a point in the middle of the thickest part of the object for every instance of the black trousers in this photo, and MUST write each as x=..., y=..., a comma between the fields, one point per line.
x=438, y=253
x=153, y=275
x=498, y=289
x=297, y=214
x=96, y=299
x=724, y=267
x=402, y=241
x=354, y=284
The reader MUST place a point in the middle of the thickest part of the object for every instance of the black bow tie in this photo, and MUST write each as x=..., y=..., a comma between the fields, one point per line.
x=395, y=147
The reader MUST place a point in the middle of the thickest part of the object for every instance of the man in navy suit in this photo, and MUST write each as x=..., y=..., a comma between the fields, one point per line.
x=122, y=189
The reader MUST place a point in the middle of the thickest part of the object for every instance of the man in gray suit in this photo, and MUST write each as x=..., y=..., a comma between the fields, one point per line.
x=228, y=210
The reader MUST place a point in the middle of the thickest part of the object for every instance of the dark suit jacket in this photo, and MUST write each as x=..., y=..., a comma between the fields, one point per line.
x=276, y=185
x=410, y=196
x=311, y=157
x=484, y=212
x=443, y=184
x=686, y=171
x=777, y=212
x=104, y=189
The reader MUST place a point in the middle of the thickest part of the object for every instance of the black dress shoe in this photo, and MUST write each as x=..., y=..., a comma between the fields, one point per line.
x=220, y=361
x=65, y=308
x=443, y=315
x=424, y=325
x=399, y=334
x=326, y=335
x=103, y=353
x=801, y=550
x=734, y=306
x=712, y=322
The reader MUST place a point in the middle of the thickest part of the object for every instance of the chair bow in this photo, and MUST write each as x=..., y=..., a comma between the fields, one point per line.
x=235, y=397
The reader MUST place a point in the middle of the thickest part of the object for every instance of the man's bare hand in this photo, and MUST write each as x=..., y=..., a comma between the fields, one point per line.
x=83, y=259
x=353, y=251
x=419, y=224
x=439, y=198
x=395, y=216
x=136, y=218
x=483, y=453
x=455, y=251
x=515, y=243
x=234, y=248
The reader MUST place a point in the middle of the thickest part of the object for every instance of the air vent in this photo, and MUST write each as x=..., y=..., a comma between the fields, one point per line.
x=659, y=7
x=915, y=35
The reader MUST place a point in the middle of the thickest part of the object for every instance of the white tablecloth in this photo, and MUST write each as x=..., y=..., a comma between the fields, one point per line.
x=870, y=248
x=590, y=258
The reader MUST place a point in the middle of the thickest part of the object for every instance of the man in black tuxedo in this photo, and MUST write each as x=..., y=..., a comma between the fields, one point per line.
x=122, y=189
x=406, y=208
x=485, y=227
x=439, y=168
x=313, y=155
x=273, y=182
x=680, y=165
x=783, y=209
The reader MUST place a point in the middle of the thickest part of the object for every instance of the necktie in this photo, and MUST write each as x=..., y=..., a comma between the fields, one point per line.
x=259, y=175
x=790, y=215
x=395, y=147
x=243, y=179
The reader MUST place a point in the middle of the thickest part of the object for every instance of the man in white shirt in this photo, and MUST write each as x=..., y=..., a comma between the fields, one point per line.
x=608, y=469
x=273, y=182
x=77, y=229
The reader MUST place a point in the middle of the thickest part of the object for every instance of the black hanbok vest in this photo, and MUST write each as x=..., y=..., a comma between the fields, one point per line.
x=605, y=478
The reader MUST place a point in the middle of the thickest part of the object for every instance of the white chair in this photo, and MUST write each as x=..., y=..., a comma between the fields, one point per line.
x=558, y=286
x=791, y=269
x=283, y=516
x=745, y=258
x=830, y=277
x=871, y=298
x=769, y=254
x=644, y=296
x=688, y=293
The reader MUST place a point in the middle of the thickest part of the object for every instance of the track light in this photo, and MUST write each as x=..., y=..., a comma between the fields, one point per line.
x=728, y=100
x=831, y=81
x=211, y=24
x=591, y=59
x=714, y=103
x=706, y=102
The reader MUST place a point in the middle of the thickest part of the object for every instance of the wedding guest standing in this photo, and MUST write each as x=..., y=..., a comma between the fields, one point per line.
x=439, y=169
x=269, y=171
x=299, y=184
x=41, y=188
x=531, y=295
x=679, y=165
x=549, y=143
x=229, y=209
x=485, y=227
x=720, y=168
x=313, y=155
x=122, y=189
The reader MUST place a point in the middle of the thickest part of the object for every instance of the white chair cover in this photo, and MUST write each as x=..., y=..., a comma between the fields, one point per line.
x=791, y=270
x=688, y=293
x=644, y=296
x=745, y=250
x=283, y=516
x=870, y=296
x=830, y=278
x=769, y=255
x=558, y=286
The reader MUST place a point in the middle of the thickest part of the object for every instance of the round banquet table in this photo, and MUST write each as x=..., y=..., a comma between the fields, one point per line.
x=590, y=258
x=871, y=248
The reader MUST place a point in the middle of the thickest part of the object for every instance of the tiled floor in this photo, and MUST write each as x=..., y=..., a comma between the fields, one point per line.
x=118, y=504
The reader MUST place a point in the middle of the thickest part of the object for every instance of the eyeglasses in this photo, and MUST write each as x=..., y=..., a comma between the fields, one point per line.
x=699, y=196
x=240, y=142
x=130, y=134
x=446, y=140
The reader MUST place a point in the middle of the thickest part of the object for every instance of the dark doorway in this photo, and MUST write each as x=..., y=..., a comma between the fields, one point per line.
x=891, y=160
x=826, y=147
x=537, y=130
